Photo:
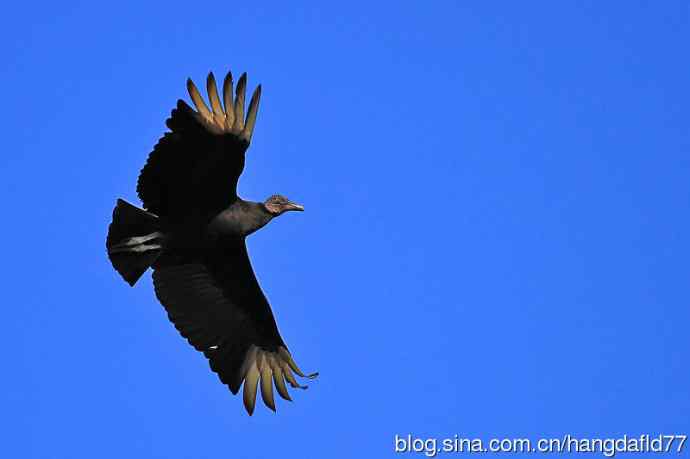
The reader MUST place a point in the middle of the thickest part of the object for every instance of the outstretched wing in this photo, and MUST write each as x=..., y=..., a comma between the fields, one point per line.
x=193, y=170
x=217, y=304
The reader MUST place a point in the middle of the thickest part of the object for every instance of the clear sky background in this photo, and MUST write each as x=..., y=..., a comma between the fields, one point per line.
x=496, y=240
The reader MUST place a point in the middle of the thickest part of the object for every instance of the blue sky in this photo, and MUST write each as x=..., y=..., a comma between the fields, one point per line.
x=495, y=242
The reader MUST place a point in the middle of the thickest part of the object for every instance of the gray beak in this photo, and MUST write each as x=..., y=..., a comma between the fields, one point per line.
x=294, y=206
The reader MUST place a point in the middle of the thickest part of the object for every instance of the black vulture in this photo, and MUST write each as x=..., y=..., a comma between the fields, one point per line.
x=192, y=233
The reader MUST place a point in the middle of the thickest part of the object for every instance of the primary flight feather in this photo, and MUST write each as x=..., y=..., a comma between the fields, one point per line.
x=192, y=233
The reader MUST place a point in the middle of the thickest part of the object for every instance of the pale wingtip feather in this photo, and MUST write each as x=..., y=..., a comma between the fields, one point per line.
x=252, y=114
x=198, y=100
x=266, y=382
x=238, y=124
x=250, y=386
x=278, y=379
x=227, y=101
x=212, y=90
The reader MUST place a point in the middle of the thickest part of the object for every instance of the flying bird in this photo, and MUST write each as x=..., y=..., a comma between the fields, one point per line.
x=192, y=233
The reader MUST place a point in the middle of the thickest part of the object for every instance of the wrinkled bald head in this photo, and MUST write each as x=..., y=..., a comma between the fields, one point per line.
x=278, y=205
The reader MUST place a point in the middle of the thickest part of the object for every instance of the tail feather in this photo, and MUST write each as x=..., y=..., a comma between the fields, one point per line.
x=134, y=240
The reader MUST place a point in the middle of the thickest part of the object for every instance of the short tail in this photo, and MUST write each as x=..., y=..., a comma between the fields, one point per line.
x=134, y=240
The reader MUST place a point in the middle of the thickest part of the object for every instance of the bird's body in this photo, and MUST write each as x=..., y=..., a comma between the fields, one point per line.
x=240, y=219
x=236, y=222
x=193, y=233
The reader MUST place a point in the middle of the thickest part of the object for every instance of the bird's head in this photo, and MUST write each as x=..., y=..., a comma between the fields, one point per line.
x=277, y=205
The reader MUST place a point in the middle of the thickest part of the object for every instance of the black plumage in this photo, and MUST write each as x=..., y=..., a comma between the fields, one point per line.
x=192, y=234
